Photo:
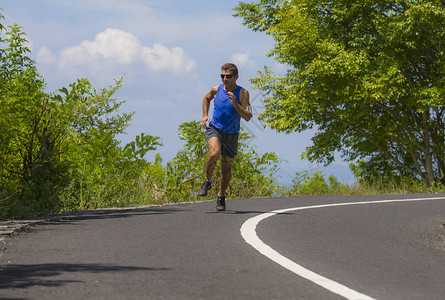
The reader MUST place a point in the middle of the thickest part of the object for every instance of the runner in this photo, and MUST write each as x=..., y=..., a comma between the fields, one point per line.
x=231, y=103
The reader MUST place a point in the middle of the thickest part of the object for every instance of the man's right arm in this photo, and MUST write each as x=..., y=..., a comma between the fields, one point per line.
x=206, y=105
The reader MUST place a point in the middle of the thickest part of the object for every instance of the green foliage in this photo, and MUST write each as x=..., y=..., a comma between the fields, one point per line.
x=253, y=173
x=314, y=183
x=368, y=75
x=306, y=183
x=187, y=167
x=378, y=178
x=59, y=151
x=28, y=138
x=102, y=172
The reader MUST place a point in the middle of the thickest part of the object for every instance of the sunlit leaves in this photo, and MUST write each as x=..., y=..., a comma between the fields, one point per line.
x=59, y=150
x=368, y=74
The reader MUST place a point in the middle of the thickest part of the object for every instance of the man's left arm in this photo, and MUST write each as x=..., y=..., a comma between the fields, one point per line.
x=243, y=108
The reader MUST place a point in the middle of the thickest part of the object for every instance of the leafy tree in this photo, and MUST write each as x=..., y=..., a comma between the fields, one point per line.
x=27, y=131
x=59, y=151
x=104, y=174
x=253, y=174
x=306, y=183
x=369, y=75
x=188, y=164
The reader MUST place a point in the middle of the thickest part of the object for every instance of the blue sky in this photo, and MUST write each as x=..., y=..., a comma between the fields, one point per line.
x=170, y=51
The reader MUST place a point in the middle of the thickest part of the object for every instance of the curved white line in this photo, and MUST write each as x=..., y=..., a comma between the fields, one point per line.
x=248, y=231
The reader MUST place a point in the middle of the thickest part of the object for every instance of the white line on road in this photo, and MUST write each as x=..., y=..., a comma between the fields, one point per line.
x=248, y=231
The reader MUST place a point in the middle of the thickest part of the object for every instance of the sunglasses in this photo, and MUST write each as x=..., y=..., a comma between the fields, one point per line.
x=227, y=76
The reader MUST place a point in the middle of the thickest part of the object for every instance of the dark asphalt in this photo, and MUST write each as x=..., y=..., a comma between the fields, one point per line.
x=188, y=251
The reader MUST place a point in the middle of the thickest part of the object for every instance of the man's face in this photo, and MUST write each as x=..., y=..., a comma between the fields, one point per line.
x=228, y=78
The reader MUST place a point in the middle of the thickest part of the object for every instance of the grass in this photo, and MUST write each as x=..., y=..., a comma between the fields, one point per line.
x=303, y=185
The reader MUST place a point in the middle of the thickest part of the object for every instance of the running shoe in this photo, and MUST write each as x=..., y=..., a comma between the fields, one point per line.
x=206, y=185
x=221, y=203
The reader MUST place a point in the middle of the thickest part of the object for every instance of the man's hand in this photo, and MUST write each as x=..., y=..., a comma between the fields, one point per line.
x=204, y=121
x=241, y=107
x=232, y=98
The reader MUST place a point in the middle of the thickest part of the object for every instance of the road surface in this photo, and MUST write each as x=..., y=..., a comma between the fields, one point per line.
x=379, y=250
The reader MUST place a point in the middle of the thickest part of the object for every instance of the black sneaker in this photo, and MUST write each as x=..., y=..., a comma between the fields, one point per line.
x=206, y=185
x=221, y=203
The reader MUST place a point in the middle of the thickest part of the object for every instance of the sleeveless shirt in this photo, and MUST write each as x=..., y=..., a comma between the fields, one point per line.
x=225, y=117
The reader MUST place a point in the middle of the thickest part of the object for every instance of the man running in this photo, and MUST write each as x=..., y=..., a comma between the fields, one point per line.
x=231, y=103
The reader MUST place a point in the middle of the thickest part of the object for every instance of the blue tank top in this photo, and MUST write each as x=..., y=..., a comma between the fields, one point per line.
x=225, y=117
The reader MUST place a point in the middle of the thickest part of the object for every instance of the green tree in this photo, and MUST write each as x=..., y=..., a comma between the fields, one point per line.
x=188, y=164
x=29, y=169
x=59, y=151
x=253, y=174
x=306, y=183
x=369, y=75
x=101, y=173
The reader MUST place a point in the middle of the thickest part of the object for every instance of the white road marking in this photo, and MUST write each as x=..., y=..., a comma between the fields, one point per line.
x=248, y=231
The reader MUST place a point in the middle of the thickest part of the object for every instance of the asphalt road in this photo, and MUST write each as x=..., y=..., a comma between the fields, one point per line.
x=393, y=250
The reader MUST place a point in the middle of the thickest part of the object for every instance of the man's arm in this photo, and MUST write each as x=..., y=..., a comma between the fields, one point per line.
x=206, y=105
x=243, y=107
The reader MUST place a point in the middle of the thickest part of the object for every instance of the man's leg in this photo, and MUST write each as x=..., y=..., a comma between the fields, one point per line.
x=226, y=173
x=214, y=150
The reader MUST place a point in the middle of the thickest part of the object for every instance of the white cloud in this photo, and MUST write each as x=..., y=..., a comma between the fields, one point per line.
x=45, y=56
x=243, y=60
x=113, y=44
x=117, y=47
x=161, y=58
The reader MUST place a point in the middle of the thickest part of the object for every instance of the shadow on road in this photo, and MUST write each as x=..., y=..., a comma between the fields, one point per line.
x=24, y=276
x=115, y=213
x=244, y=212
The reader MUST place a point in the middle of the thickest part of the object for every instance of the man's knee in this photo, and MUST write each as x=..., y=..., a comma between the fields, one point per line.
x=214, y=153
x=227, y=163
x=214, y=147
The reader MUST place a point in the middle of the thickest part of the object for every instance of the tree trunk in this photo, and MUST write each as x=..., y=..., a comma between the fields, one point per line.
x=428, y=151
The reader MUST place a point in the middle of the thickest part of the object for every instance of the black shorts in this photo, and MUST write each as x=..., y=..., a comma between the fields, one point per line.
x=229, y=141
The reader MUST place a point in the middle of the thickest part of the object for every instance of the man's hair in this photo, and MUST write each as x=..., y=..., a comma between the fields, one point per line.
x=230, y=67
